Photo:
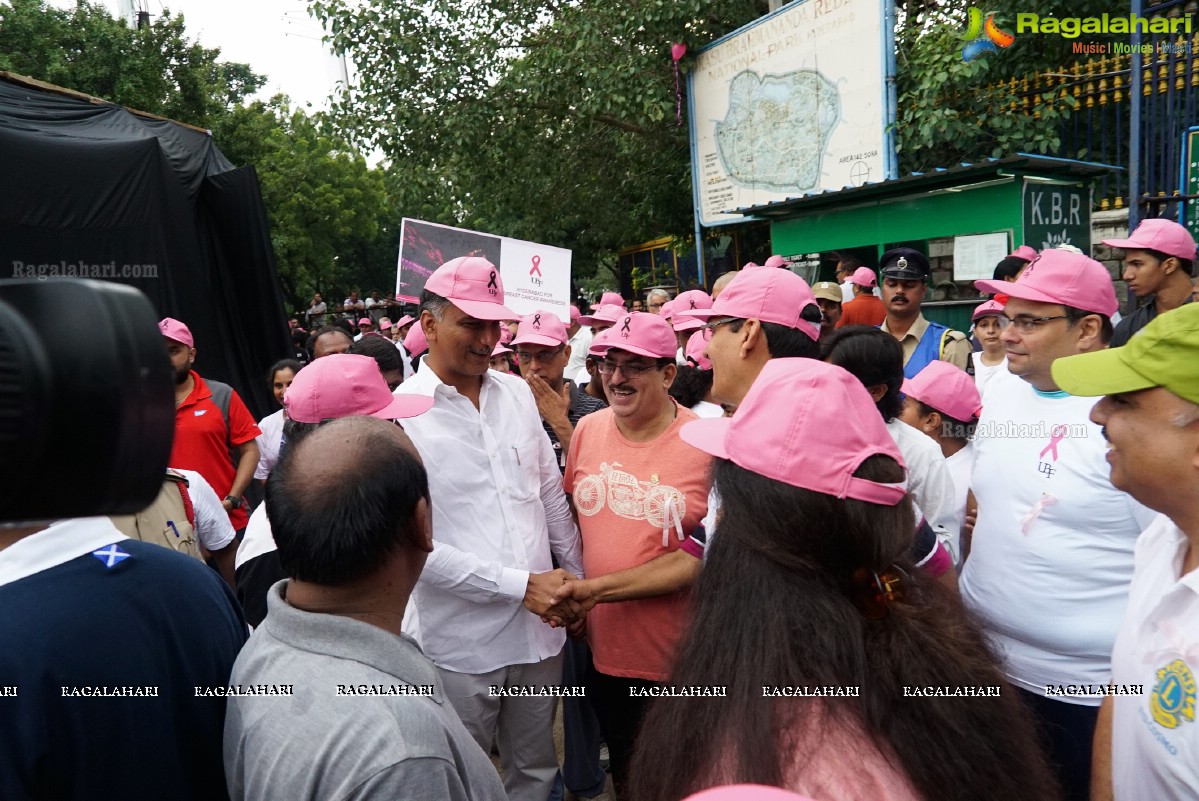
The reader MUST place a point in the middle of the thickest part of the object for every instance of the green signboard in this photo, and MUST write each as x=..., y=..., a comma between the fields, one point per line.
x=1057, y=214
x=1190, y=180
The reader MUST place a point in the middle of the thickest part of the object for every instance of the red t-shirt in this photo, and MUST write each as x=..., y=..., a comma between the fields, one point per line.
x=863, y=310
x=200, y=442
x=630, y=496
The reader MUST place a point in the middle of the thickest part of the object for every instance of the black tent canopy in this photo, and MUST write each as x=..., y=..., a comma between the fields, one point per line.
x=91, y=189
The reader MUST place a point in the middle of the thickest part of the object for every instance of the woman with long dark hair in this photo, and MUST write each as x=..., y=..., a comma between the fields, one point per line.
x=849, y=675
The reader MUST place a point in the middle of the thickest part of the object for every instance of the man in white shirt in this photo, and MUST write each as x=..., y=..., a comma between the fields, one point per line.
x=498, y=512
x=1147, y=738
x=1052, y=554
x=579, y=339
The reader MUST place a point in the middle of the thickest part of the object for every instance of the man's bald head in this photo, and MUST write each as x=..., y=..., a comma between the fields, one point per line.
x=344, y=498
x=721, y=282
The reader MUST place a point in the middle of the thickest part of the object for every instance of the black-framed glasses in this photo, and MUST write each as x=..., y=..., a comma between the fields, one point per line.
x=714, y=324
x=629, y=370
x=1025, y=324
x=545, y=357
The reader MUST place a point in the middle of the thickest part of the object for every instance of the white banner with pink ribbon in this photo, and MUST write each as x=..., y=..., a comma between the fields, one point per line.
x=536, y=277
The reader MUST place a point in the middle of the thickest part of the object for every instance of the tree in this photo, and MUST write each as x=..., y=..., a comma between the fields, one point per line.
x=546, y=120
x=156, y=69
x=329, y=213
x=951, y=110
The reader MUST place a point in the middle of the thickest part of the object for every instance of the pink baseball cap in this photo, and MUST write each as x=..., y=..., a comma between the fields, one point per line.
x=416, y=342
x=644, y=334
x=608, y=313
x=347, y=385
x=473, y=284
x=687, y=301
x=599, y=344
x=385, y=324
x=775, y=261
x=499, y=350
x=751, y=265
x=171, y=328
x=365, y=321
x=1059, y=276
x=696, y=345
x=403, y=321
x=611, y=299
x=746, y=792
x=864, y=276
x=1024, y=252
x=946, y=388
x=992, y=308
x=1158, y=234
x=808, y=424
x=772, y=296
x=574, y=313
x=541, y=328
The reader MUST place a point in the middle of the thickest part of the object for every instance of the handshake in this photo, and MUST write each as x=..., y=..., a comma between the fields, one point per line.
x=560, y=599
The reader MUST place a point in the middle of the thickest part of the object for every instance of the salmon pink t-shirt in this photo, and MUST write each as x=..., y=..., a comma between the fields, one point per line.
x=636, y=501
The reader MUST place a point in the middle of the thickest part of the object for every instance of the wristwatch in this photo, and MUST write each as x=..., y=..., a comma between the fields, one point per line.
x=235, y=501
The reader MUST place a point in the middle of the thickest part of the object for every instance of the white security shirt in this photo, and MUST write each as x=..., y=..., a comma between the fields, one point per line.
x=1051, y=554
x=498, y=511
x=1155, y=735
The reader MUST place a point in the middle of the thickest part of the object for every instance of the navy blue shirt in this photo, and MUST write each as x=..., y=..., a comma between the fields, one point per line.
x=118, y=620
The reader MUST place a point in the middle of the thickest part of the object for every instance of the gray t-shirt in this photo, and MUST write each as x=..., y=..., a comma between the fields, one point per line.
x=367, y=717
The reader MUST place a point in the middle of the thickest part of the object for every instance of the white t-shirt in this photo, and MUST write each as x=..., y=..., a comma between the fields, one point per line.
x=1051, y=555
x=213, y=529
x=959, y=466
x=708, y=409
x=929, y=482
x=269, y=441
x=579, y=344
x=405, y=358
x=1155, y=735
x=847, y=291
x=983, y=374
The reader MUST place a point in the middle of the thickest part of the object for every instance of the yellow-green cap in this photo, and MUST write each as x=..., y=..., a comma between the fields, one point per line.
x=1164, y=353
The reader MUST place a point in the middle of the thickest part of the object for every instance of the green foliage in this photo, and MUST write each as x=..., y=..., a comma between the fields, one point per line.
x=156, y=69
x=550, y=121
x=951, y=111
x=330, y=214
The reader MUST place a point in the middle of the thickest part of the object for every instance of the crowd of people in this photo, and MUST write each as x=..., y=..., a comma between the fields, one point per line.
x=780, y=534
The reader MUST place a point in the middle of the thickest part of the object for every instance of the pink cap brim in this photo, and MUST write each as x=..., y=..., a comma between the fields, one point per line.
x=639, y=351
x=700, y=314
x=687, y=325
x=537, y=339
x=1127, y=244
x=1016, y=290
x=708, y=435
x=404, y=406
x=482, y=310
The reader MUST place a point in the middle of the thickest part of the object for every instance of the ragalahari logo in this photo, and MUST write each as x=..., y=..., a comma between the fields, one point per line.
x=983, y=37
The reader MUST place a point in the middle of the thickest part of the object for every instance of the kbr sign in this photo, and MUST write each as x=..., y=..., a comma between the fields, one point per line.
x=1056, y=214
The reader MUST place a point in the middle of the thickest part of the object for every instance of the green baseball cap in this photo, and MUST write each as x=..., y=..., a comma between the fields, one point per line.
x=1164, y=353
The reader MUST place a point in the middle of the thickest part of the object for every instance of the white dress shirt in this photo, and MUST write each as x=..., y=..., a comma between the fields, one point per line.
x=498, y=512
x=579, y=344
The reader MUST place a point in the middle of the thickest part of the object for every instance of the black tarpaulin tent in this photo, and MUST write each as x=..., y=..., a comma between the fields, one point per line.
x=91, y=189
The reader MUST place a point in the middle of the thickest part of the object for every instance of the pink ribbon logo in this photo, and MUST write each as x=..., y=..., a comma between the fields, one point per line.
x=1058, y=434
x=536, y=266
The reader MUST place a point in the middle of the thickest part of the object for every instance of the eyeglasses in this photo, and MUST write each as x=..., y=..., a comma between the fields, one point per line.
x=1025, y=324
x=714, y=324
x=632, y=371
x=545, y=356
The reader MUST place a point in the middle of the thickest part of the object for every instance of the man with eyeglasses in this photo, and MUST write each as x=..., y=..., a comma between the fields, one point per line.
x=541, y=344
x=905, y=273
x=656, y=299
x=1052, y=557
x=637, y=489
